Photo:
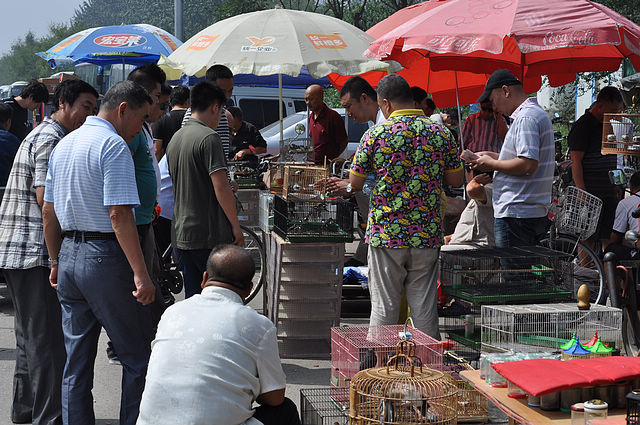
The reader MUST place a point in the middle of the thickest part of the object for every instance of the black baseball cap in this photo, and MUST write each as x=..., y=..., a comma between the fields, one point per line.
x=499, y=78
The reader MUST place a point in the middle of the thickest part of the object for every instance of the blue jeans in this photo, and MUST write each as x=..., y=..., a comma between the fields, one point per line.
x=95, y=285
x=193, y=263
x=511, y=231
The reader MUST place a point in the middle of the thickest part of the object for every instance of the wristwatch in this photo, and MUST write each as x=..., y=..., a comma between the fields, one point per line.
x=53, y=261
x=349, y=189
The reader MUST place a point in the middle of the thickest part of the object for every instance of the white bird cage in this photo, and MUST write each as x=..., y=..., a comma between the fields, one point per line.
x=545, y=327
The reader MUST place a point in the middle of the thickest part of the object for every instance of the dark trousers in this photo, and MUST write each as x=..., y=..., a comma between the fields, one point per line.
x=95, y=285
x=285, y=414
x=511, y=231
x=193, y=263
x=40, y=353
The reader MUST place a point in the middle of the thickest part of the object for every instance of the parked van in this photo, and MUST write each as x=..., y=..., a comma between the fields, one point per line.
x=260, y=104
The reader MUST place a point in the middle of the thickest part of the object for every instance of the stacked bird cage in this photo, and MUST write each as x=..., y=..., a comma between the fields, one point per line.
x=355, y=348
x=403, y=393
x=330, y=220
x=545, y=327
x=512, y=275
x=324, y=406
x=621, y=134
x=304, y=183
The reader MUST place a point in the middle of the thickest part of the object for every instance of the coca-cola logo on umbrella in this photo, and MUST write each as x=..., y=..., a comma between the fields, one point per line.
x=120, y=40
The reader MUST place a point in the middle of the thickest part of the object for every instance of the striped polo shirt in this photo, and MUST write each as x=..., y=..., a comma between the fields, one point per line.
x=89, y=170
x=530, y=136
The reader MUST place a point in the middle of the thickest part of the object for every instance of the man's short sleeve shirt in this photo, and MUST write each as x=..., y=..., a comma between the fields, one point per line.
x=20, y=125
x=90, y=170
x=530, y=136
x=586, y=136
x=199, y=221
x=145, y=178
x=21, y=234
x=409, y=155
x=327, y=132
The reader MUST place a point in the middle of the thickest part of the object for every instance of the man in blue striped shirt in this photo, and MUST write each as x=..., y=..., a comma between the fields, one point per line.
x=96, y=260
x=524, y=168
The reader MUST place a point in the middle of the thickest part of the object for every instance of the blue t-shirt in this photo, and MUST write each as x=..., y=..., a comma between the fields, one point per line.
x=9, y=145
x=145, y=178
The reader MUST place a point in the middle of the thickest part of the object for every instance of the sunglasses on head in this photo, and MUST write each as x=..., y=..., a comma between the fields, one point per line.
x=487, y=108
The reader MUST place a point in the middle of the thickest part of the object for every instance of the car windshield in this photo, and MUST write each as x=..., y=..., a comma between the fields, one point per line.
x=288, y=121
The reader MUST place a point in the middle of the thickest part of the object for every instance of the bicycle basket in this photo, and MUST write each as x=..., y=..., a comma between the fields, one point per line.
x=579, y=213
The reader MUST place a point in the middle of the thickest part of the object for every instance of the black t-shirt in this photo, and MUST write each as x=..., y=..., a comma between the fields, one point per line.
x=247, y=135
x=166, y=127
x=20, y=125
x=586, y=136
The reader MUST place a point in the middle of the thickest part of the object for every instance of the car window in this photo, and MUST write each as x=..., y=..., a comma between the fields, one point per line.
x=300, y=105
x=288, y=121
x=260, y=112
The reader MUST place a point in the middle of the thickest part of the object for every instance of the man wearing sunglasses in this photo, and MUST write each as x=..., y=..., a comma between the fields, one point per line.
x=484, y=130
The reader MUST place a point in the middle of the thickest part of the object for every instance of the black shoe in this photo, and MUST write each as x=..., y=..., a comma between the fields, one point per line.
x=111, y=354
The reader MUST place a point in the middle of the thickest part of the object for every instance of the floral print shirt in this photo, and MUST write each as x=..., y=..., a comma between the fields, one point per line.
x=409, y=155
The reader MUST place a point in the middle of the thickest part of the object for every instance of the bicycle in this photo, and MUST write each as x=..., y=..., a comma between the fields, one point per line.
x=573, y=219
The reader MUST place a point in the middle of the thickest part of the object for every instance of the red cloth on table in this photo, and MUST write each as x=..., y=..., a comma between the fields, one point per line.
x=543, y=376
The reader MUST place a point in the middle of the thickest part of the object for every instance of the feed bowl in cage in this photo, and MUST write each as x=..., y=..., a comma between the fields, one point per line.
x=402, y=393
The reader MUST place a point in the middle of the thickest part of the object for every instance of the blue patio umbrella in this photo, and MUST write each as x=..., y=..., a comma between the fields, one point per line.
x=135, y=44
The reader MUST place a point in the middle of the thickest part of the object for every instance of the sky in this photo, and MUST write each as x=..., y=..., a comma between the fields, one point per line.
x=20, y=16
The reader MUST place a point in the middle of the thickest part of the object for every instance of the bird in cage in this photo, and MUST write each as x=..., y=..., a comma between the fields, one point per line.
x=404, y=402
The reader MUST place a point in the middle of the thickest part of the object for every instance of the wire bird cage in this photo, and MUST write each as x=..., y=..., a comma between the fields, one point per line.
x=324, y=406
x=403, y=393
x=296, y=149
x=579, y=213
x=507, y=275
x=544, y=327
x=303, y=182
x=355, y=348
x=306, y=221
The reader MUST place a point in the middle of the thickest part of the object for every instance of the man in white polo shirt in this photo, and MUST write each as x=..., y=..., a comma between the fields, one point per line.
x=214, y=369
x=524, y=168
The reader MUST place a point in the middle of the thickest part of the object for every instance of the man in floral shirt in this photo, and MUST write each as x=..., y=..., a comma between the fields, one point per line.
x=411, y=157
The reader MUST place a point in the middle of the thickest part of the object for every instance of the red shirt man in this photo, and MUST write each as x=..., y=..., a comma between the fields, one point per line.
x=326, y=126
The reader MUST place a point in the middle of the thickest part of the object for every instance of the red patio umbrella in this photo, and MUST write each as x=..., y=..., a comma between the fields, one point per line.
x=443, y=85
x=529, y=37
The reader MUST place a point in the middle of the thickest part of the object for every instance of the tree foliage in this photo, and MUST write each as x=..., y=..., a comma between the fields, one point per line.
x=21, y=63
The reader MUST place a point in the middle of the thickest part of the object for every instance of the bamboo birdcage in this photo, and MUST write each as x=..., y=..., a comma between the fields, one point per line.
x=303, y=182
x=400, y=393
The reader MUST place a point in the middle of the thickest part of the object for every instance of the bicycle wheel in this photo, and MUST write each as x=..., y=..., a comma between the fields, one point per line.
x=253, y=244
x=588, y=266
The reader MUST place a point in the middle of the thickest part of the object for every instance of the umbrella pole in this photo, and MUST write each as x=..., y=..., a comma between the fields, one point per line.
x=280, y=113
x=455, y=73
x=123, y=69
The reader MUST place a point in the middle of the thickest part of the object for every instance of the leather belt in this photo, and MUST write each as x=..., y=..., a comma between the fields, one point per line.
x=79, y=236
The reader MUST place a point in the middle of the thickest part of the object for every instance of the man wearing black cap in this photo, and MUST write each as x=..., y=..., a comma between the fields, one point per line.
x=523, y=168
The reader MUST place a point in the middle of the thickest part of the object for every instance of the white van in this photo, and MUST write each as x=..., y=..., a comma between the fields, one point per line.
x=260, y=104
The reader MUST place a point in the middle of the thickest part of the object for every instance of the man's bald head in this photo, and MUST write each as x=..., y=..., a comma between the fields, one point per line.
x=314, y=98
x=232, y=265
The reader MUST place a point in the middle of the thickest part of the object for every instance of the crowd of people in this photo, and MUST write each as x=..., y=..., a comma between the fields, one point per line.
x=93, y=195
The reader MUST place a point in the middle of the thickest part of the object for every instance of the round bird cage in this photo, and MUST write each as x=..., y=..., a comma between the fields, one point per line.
x=402, y=393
